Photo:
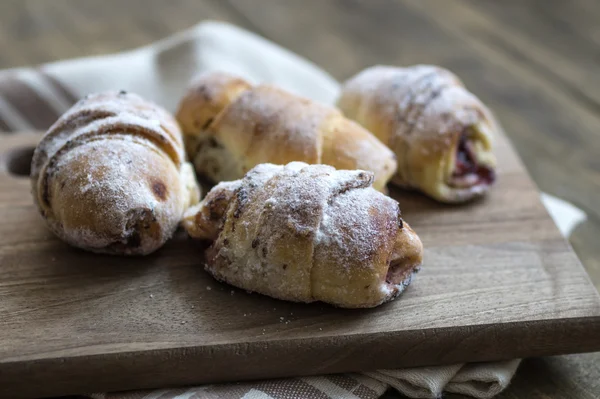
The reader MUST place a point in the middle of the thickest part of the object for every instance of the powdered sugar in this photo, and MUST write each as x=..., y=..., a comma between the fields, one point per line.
x=107, y=176
x=267, y=124
x=105, y=111
x=227, y=185
x=284, y=223
x=419, y=112
x=349, y=209
x=112, y=184
x=301, y=117
x=266, y=114
x=422, y=100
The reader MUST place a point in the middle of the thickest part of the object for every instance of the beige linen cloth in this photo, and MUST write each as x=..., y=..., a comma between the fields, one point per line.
x=32, y=99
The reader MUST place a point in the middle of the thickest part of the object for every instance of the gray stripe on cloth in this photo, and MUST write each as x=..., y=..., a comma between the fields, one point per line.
x=377, y=386
x=290, y=388
x=11, y=117
x=325, y=385
x=366, y=387
x=367, y=393
x=58, y=86
x=29, y=104
x=4, y=126
x=36, y=81
x=347, y=382
x=343, y=381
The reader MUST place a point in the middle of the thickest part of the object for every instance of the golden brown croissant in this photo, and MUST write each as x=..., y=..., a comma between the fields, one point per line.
x=231, y=126
x=307, y=233
x=439, y=131
x=109, y=176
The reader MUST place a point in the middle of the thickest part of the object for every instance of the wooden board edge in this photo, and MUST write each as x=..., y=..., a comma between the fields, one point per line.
x=296, y=357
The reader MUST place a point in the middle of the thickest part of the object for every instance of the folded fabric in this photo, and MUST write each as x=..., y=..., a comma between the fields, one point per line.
x=480, y=380
x=32, y=99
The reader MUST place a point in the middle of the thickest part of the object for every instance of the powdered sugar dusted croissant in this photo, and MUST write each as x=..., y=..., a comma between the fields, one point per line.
x=231, y=126
x=439, y=131
x=307, y=233
x=110, y=175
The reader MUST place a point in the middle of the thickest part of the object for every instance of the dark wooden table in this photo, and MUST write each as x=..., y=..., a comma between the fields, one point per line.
x=535, y=63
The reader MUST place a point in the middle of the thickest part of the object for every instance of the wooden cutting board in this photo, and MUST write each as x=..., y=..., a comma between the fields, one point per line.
x=498, y=282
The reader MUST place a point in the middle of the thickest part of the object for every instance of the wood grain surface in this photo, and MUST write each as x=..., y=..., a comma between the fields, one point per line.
x=498, y=282
x=534, y=62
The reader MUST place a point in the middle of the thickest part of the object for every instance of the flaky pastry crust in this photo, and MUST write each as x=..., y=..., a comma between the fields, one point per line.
x=110, y=175
x=231, y=126
x=440, y=132
x=307, y=233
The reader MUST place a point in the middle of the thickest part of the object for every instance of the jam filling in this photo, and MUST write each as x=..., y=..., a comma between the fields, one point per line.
x=467, y=172
x=398, y=272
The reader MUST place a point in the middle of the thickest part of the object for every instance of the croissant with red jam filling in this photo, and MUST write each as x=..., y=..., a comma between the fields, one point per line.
x=440, y=132
x=307, y=233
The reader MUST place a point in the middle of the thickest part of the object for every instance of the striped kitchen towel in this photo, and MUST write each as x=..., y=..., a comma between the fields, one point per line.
x=33, y=98
x=483, y=380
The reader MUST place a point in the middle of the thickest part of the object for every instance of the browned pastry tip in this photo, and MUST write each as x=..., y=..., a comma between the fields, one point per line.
x=407, y=258
x=207, y=95
x=204, y=221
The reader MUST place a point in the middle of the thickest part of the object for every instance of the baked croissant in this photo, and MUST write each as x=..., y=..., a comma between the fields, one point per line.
x=307, y=233
x=110, y=175
x=439, y=131
x=230, y=126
